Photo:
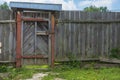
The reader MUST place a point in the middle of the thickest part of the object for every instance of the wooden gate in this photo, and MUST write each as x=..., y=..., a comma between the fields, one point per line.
x=36, y=38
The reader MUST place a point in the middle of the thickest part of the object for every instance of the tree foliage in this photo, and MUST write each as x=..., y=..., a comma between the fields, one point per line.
x=4, y=6
x=95, y=9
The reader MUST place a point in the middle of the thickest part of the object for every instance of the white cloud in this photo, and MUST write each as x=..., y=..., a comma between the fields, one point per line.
x=69, y=5
x=98, y=3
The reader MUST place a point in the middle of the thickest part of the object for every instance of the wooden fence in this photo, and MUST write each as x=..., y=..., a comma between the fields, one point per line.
x=7, y=37
x=83, y=35
x=86, y=35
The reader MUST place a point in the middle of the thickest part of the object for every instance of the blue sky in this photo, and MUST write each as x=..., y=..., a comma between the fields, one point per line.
x=113, y=5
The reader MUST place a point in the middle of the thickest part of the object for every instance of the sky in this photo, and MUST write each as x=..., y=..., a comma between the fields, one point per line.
x=113, y=5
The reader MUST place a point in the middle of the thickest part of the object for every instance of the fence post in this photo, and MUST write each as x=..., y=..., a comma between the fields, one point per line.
x=18, y=40
x=52, y=39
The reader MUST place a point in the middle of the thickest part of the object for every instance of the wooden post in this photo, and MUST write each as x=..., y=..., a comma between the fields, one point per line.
x=52, y=39
x=18, y=40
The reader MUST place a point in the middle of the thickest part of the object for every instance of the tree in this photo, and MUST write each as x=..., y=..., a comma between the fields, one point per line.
x=95, y=9
x=4, y=6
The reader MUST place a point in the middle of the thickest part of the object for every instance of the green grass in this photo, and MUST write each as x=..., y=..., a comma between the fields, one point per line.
x=37, y=67
x=86, y=74
x=64, y=72
x=22, y=73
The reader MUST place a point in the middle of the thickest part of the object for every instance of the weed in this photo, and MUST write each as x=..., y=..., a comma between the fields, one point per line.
x=3, y=68
x=115, y=53
x=72, y=62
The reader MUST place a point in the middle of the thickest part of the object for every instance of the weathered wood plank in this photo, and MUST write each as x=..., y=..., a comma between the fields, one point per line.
x=115, y=61
x=7, y=21
x=88, y=21
x=28, y=38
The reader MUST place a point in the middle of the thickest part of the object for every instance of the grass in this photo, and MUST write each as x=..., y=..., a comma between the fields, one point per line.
x=37, y=67
x=22, y=73
x=86, y=74
x=64, y=72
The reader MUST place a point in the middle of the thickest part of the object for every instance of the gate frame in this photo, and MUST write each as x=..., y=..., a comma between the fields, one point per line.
x=19, y=41
x=52, y=39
